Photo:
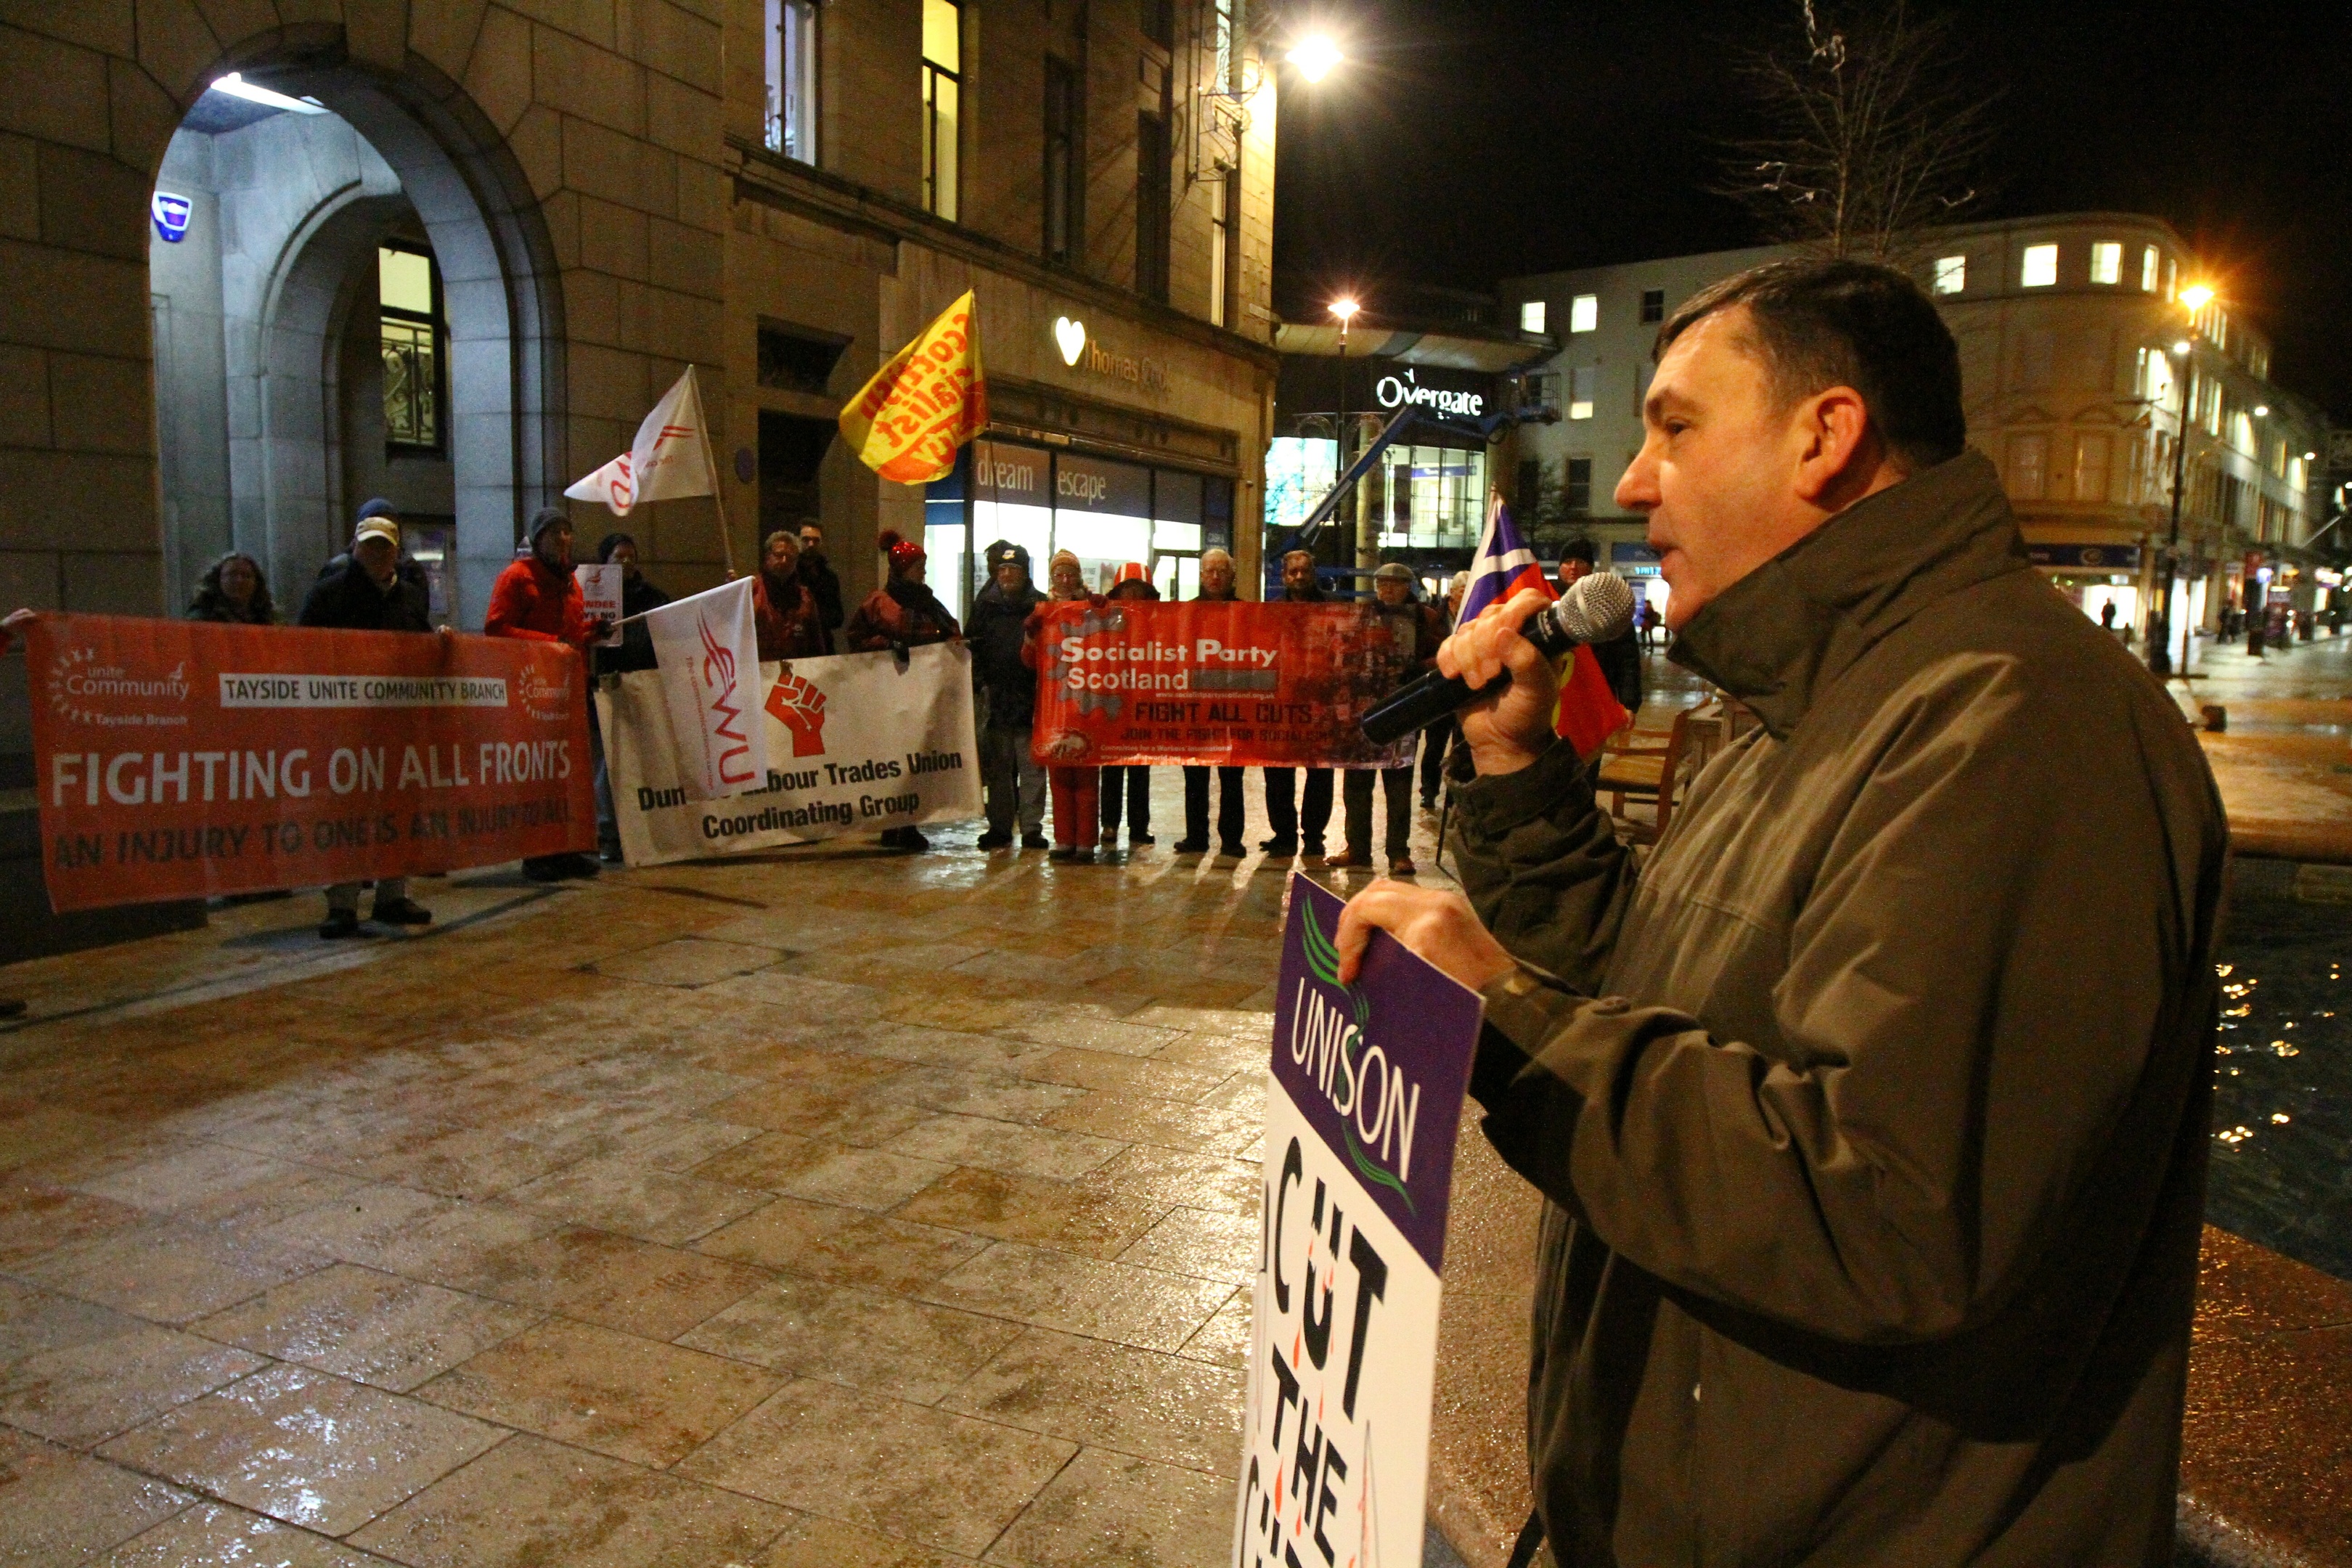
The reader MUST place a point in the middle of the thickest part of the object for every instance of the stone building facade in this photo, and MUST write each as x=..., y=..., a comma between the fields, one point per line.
x=2070, y=329
x=468, y=243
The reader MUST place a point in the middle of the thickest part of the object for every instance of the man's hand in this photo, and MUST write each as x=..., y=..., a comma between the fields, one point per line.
x=1437, y=926
x=599, y=628
x=1504, y=732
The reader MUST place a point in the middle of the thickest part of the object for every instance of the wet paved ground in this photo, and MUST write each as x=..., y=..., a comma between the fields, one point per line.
x=837, y=1208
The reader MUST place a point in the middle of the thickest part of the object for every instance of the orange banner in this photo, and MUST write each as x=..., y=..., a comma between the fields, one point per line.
x=176, y=759
x=1237, y=684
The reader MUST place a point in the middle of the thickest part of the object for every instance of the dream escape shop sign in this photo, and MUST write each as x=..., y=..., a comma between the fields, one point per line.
x=1363, y=1103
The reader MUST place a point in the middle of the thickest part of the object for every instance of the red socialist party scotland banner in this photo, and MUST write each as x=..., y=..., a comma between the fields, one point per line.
x=176, y=759
x=1235, y=684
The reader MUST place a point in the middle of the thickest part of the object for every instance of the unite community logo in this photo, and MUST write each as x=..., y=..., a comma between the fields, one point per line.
x=1377, y=1107
x=85, y=691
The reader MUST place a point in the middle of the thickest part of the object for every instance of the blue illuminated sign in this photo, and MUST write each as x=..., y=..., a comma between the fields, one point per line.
x=171, y=216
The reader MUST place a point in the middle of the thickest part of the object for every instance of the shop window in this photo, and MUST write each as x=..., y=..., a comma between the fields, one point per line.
x=1951, y=274
x=1531, y=316
x=2147, y=269
x=1583, y=382
x=1584, y=313
x=2029, y=458
x=2041, y=268
x=1152, y=199
x=1653, y=305
x=2106, y=262
x=1576, y=496
x=1064, y=162
x=1299, y=472
x=942, y=95
x=408, y=289
x=791, y=79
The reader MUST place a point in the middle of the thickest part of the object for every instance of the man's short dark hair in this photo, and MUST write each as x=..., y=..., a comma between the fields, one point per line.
x=1579, y=549
x=1820, y=325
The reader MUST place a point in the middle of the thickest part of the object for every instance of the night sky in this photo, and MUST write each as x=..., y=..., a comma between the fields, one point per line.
x=1463, y=142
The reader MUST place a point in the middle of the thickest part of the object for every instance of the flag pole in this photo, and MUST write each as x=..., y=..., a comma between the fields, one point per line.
x=718, y=499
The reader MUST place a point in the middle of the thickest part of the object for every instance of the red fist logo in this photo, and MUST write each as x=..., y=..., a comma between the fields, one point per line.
x=799, y=707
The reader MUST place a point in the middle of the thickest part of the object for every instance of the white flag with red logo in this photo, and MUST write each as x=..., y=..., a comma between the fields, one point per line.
x=707, y=650
x=670, y=458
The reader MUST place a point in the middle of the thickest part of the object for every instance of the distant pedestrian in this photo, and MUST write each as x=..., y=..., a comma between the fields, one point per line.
x=537, y=599
x=901, y=615
x=784, y=609
x=1133, y=583
x=637, y=652
x=1217, y=587
x=1015, y=780
x=1438, y=738
x=822, y=581
x=1076, y=790
x=2107, y=617
x=1282, y=802
x=233, y=591
x=368, y=593
x=1418, y=628
x=1620, y=658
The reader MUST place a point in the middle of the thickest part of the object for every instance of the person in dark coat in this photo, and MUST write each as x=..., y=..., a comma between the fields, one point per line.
x=1282, y=805
x=1217, y=586
x=1439, y=737
x=369, y=594
x=1873, y=1105
x=1419, y=629
x=1132, y=783
x=901, y=614
x=233, y=591
x=1620, y=658
x=1015, y=780
x=635, y=652
x=822, y=579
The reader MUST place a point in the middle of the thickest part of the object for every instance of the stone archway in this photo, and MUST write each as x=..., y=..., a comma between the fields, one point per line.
x=423, y=149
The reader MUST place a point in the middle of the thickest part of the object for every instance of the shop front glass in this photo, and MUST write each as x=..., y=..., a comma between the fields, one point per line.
x=1434, y=497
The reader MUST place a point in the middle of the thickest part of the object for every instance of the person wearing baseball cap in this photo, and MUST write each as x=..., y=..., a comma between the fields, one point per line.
x=365, y=590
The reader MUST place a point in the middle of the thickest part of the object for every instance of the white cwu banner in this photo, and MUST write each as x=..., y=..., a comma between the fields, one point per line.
x=856, y=743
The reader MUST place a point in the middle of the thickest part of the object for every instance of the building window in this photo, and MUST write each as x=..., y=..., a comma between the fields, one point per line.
x=1152, y=199
x=1581, y=384
x=2028, y=465
x=408, y=292
x=2106, y=262
x=1543, y=389
x=1584, y=313
x=1531, y=316
x=1159, y=22
x=1951, y=274
x=2091, y=467
x=1064, y=162
x=1576, y=497
x=1224, y=257
x=942, y=93
x=2040, y=265
x=2148, y=270
x=1653, y=305
x=791, y=79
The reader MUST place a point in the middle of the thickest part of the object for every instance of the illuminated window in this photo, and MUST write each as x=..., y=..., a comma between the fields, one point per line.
x=2147, y=269
x=2106, y=263
x=942, y=91
x=1531, y=316
x=1582, y=381
x=408, y=292
x=791, y=79
x=1951, y=274
x=1584, y=313
x=2040, y=265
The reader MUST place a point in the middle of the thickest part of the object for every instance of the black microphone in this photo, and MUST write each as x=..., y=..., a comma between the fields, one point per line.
x=1597, y=607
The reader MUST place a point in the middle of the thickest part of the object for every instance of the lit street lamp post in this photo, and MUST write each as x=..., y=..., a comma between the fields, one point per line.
x=2160, y=643
x=1344, y=308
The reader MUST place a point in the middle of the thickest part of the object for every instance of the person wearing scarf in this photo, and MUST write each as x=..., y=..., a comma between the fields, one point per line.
x=1076, y=791
x=783, y=608
x=901, y=614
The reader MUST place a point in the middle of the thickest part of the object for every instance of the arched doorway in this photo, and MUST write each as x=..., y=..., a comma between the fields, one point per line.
x=364, y=303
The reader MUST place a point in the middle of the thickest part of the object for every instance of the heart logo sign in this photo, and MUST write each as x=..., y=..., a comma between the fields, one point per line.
x=1070, y=337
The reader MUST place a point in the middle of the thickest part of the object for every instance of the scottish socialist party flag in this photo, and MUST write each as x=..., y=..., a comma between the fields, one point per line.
x=1588, y=712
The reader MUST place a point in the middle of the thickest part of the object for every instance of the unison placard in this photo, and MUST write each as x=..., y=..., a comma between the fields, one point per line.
x=1363, y=1100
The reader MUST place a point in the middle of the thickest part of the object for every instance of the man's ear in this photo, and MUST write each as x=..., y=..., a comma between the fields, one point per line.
x=1842, y=459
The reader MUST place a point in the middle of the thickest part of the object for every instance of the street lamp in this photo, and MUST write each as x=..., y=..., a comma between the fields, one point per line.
x=1315, y=54
x=2197, y=295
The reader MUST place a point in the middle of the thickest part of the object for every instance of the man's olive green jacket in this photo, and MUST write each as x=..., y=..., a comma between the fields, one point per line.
x=1873, y=1108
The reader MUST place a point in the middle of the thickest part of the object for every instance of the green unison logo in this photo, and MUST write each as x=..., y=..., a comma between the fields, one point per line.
x=1377, y=1104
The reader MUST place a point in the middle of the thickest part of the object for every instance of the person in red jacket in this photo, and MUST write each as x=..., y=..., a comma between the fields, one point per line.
x=789, y=618
x=901, y=614
x=538, y=599
x=1076, y=791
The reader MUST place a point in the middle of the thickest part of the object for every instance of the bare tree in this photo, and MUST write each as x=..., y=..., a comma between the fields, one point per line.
x=1872, y=130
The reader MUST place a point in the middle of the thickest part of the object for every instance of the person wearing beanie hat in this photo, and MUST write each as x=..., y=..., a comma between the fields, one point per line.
x=537, y=598
x=368, y=592
x=1076, y=791
x=901, y=614
x=1419, y=629
x=1008, y=686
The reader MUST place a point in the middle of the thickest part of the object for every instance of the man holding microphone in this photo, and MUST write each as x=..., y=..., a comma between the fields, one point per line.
x=1872, y=1109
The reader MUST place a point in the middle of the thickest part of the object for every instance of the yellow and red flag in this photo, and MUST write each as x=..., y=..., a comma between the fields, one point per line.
x=927, y=400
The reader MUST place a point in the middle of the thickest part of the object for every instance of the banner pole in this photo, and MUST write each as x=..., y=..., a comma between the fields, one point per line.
x=726, y=535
